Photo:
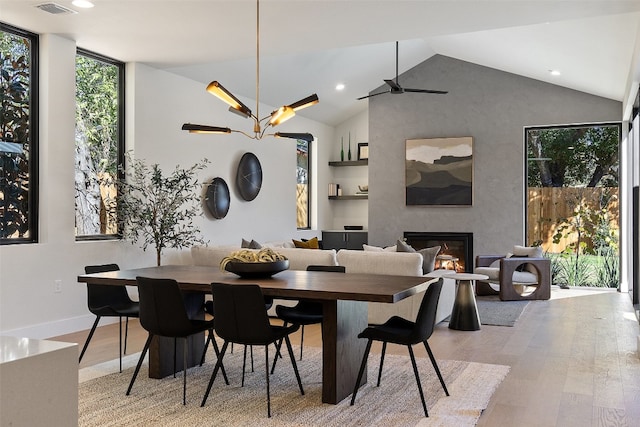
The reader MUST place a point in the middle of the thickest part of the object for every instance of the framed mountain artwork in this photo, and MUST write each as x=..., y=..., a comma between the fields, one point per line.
x=439, y=171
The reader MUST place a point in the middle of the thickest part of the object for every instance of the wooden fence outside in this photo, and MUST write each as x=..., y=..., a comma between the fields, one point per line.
x=547, y=204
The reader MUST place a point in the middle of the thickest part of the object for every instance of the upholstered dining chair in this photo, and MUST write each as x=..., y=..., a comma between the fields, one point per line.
x=109, y=301
x=304, y=312
x=241, y=317
x=208, y=308
x=397, y=330
x=162, y=313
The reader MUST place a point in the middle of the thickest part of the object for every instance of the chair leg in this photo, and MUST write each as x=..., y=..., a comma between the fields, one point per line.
x=384, y=349
x=415, y=371
x=184, y=372
x=266, y=363
x=206, y=347
x=301, y=340
x=363, y=365
x=275, y=358
x=120, y=341
x=144, y=352
x=215, y=371
x=278, y=345
x=435, y=366
x=86, y=343
x=251, y=350
x=126, y=334
x=211, y=338
x=244, y=364
x=293, y=362
x=175, y=352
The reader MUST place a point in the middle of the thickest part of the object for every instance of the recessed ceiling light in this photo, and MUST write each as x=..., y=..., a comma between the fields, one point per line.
x=555, y=72
x=85, y=4
x=340, y=86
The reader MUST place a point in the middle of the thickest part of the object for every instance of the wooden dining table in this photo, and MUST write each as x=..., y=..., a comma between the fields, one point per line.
x=344, y=298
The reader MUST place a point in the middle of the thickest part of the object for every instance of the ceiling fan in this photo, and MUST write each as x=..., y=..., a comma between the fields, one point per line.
x=394, y=86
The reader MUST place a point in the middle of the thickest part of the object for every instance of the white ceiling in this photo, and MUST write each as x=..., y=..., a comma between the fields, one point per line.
x=309, y=46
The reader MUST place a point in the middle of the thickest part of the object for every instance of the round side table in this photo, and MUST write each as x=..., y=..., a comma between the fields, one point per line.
x=464, y=315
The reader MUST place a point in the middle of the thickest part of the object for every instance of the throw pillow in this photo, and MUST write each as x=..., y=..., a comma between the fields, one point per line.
x=404, y=246
x=429, y=258
x=250, y=244
x=521, y=267
x=370, y=248
x=309, y=244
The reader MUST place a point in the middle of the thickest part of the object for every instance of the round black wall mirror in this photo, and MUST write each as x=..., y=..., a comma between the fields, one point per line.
x=249, y=176
x=218, y=198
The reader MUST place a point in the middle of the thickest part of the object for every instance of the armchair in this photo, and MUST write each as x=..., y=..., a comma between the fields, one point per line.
x=523, y=275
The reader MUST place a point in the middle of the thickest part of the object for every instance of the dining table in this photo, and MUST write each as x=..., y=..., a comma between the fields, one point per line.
x=344, y=299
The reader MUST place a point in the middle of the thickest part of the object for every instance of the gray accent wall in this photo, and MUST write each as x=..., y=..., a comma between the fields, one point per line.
x=489, y=105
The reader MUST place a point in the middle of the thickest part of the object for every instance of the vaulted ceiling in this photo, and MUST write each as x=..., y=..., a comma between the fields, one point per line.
x=309, y=46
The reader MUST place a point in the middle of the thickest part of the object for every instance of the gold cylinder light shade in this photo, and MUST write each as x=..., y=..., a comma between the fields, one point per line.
x=192, y=128
x=304, y=103
x=218, y=90
x=281, y=115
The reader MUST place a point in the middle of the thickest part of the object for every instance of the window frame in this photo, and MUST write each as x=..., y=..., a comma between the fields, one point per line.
x=309, y=180
x=120, y=132
x=34, y=139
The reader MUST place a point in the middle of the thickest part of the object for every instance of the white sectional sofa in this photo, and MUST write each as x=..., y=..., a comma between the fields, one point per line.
x=400, y=264
x=391, y=263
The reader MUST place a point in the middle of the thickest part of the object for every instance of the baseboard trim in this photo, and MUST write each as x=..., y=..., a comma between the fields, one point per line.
x=59, y=327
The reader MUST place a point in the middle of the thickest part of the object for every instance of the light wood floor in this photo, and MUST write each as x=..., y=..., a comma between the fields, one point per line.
x=573, y=360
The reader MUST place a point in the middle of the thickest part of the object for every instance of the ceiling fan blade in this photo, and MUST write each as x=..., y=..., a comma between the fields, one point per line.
x=394, y=86
x=373, y=94
x=441, y=92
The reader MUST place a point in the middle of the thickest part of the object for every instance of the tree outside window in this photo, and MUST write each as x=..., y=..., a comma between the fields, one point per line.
x=99, y=142
x=18, y=135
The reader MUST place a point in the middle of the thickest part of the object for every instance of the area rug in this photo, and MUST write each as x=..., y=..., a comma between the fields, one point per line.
x=102, y=400
x=493, y=311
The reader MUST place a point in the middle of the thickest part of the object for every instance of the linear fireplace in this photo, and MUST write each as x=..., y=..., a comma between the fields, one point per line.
x=457, y=245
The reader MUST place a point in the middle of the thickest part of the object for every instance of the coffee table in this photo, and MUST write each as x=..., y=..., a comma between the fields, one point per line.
x=464, y=315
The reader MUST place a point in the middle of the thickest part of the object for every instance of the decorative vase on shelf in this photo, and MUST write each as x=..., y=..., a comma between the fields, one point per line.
x=349, y=153
x=342, y=150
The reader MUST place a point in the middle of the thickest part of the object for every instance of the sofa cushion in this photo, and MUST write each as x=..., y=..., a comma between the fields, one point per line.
x=246, y=244
x=394, y=263
x=309, y=244
x=428, y=255
x=370, y=248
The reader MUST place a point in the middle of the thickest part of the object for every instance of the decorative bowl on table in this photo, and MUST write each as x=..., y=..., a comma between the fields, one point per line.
x=257, y=270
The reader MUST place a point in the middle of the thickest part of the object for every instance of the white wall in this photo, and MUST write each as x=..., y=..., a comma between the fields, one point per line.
x=158, y=103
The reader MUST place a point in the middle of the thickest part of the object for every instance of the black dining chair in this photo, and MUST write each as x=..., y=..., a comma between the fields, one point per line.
x=109, y=301
x=397, y=330
x=162, y=313
x=240, y=317
x=208, y=308
x=305, y=312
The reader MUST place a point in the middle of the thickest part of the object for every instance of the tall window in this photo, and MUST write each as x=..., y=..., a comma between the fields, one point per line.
x=303, y=173
x=18, y=136
x=572, y=210
x=99, y=143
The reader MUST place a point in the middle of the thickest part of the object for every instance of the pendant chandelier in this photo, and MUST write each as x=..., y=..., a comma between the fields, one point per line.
x=260, y=125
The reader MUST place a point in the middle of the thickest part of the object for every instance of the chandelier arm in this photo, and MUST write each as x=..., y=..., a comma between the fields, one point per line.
x=245, y=134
